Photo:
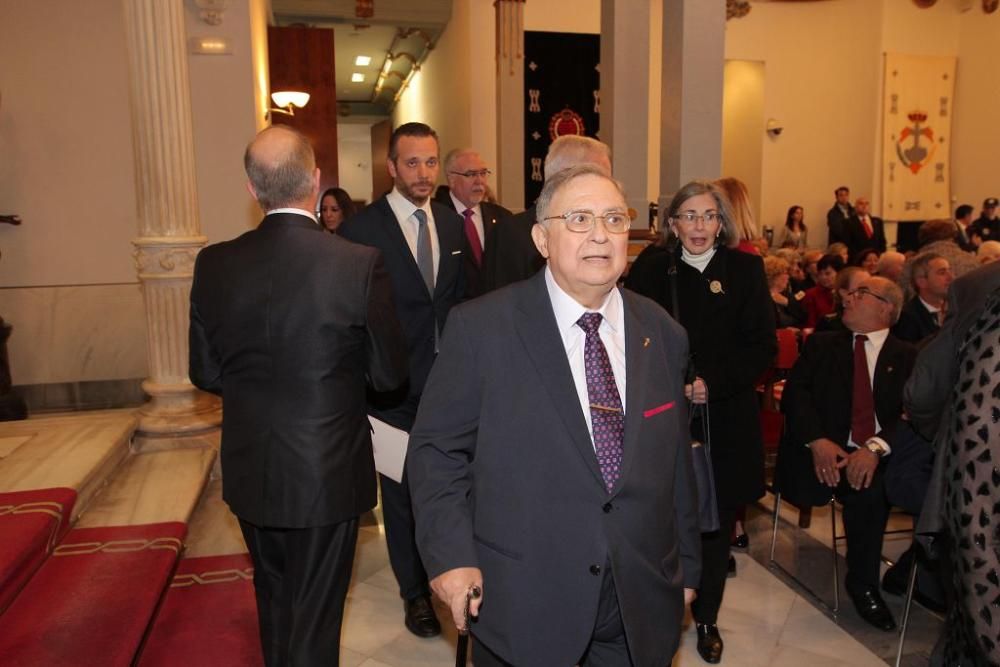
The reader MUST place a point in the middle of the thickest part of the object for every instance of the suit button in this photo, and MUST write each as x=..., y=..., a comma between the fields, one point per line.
x=595, y=570
x=607, y=507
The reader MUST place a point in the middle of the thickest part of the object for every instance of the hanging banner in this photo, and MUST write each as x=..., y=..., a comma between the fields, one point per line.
x=917, y=111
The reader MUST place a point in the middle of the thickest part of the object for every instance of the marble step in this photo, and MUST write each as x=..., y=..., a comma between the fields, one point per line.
x=154, y=487
x=78, y=452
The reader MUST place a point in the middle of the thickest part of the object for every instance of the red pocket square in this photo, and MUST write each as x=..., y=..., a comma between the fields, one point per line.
x=657, y=410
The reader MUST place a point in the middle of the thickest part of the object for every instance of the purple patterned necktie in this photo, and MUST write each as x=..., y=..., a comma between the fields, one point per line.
x=606, y=414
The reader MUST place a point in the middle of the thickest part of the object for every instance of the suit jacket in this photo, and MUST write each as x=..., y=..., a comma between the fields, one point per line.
x=287, y=322
x=492, y=214
x=731, y=329
x=835, y=220
x=857, y=239
x=504, y=477
x=512, y=255
x=928, y=393
x=817, y=404
x=915, y=322
x=418, y=311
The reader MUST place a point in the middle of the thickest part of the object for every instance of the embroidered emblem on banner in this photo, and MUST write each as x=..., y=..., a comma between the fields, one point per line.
x=536, y=169
x=566, y=121
x=916, y=156
x=534, y=94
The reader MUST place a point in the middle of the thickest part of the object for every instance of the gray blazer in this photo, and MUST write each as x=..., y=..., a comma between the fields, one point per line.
x=503, y=476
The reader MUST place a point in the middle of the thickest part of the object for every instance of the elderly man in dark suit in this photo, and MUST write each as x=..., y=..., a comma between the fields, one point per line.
x=863, y=230
x=512, y=255
x=843, y=401
x=423, y=244
x=468, y=176
x=550, y=463
x=288, y=324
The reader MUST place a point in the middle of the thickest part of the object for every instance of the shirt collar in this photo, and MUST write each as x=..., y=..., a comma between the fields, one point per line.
x=460, y=207
x=929, y=307
x=402, y=205
x=298, y=211
x=877, y=338
x=568, y=310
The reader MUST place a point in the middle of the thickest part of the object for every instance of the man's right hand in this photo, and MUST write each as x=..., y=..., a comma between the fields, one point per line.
x=828, y=459
x=453, y=586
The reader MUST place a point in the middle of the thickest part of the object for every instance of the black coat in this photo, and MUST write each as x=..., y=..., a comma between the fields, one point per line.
x=835, y=220
x=493, y=214
x=817, y=404
x=287, y=322
x=915, y=322
x=418, y=310
x=857, y=239
x=731, y=331
x=511, y=255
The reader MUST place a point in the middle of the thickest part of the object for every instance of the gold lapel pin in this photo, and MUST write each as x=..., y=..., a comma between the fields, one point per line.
x=715, y=287
x=645, y=342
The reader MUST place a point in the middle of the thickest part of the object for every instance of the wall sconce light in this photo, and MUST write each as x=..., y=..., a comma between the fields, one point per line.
x=286, y=101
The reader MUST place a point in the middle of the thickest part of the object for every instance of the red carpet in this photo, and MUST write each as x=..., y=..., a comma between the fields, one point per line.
x=209, y=616
x=92, y=600
x=31, y=523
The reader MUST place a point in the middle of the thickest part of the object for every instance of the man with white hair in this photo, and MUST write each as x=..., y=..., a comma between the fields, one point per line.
x=512, y=256
x=890, y=265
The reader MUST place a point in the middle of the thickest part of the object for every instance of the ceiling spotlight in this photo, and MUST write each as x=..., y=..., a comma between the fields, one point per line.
x=363, y=61
x=357, y=77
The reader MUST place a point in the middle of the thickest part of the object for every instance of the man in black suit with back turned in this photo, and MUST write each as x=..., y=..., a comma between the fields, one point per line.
x=838, y=214
x=550, y=463
x=512, y=255
x=423, y=244
x=842, y=401
x=467, y=176
x=288, y=323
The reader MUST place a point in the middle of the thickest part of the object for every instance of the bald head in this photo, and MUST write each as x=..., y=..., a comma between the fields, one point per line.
x=571, y=150
x=890, y=265
x=281, y=166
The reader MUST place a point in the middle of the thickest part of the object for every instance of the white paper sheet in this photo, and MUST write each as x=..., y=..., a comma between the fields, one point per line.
x=389, y=444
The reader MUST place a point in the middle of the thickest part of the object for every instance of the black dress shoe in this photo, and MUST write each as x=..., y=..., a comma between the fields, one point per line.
x=927, y=602
x=871, y=607
x=709, y=643
x=420, y=618
x=741, y=541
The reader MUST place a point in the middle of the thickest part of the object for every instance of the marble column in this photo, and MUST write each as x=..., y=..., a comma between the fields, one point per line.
x=694, y=37
x=169, y=230
x=625, y=98
x=510, y=102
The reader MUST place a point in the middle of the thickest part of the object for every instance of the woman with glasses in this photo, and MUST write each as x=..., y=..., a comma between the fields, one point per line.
x=721, y=297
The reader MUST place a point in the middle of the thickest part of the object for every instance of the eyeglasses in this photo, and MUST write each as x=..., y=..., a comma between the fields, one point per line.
x=481, y=173
x=690, y=218
x=616, y=222
x=864, y=291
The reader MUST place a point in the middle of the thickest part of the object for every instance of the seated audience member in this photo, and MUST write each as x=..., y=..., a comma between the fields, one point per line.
x=938, y=236
x=841, y=250
x=818, y=301
x=848, y=280
x=864, y=230
x=963, y=220
x=867, y=259
x=797, y=278
x=788, y=311
x=843, y=401
x=794, y=233
x=890, y=265
x=810, y=260
x=924, y=313
x=988, y=252
x=335, y=206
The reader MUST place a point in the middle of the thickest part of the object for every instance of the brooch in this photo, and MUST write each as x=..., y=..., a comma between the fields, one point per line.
x=715, y=287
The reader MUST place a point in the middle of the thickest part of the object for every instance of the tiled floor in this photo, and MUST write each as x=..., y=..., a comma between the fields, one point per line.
x=763, y=621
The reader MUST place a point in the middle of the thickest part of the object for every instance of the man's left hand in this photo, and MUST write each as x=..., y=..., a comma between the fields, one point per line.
x=861, y=465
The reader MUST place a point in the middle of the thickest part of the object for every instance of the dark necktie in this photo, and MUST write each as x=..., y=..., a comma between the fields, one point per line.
x=425, y=257
x=862, y=401
x=606, y=414
x=472, y=234
x=869, y=230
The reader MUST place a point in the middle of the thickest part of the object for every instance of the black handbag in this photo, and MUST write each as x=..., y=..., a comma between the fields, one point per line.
x=699, y=430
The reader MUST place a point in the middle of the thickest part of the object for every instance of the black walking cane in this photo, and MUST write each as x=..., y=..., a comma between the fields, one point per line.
x=462, y=650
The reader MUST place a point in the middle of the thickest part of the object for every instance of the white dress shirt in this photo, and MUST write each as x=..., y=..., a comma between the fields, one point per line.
x=612, y=332
x=403, y=208
x=298, y=211
x=477, y=217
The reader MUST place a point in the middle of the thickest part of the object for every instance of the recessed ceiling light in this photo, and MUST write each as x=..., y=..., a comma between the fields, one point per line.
x=363, y=61
x=357, y=77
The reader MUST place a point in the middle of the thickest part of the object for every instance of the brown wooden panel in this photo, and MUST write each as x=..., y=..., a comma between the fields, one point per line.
x=302, y=59
x=381, y=181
